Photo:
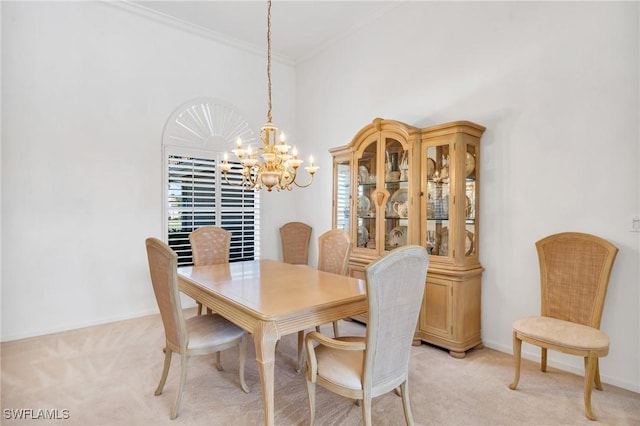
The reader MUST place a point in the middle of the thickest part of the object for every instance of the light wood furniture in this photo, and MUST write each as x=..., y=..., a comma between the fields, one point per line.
x=433, y=202
x=574, y=276
x=200, y=335
x=363, y=368
x=210, y=245
x=269, y=299
x=450, y=229
x=295, y=238
x=334, y=249
x=372, y=173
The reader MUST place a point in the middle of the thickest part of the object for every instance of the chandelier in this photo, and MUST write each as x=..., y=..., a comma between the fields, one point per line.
x=271, y=165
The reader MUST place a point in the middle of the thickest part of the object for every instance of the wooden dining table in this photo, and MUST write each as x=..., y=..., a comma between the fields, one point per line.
x=269, y=299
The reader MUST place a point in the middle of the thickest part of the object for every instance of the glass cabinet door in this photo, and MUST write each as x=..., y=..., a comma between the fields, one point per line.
x=367, y=184
x=450, y=224
x=471, y=200
x=342, y=193
x=396, y=183
x=436, y=165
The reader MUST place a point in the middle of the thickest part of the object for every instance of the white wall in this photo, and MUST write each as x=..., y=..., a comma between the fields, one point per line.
x=87, y=88
x=86, y=91
x=556, y=85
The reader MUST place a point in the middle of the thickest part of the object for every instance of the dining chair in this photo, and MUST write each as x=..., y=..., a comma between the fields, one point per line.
x=364, y=368
x=574, y=276
x=198, y=335
x=334, y=250
x=295, y=237
x=210, y=245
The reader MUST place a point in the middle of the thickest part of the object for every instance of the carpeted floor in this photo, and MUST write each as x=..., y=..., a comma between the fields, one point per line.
x=106, y=375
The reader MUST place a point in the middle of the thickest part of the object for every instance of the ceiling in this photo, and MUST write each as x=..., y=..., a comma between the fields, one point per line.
x=298, y=28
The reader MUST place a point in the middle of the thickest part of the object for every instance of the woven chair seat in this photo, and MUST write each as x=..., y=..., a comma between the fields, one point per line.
x=563, y=333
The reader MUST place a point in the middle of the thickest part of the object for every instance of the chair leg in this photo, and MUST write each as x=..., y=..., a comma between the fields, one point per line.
x=183, y=378
x=589, y=377
x=300, y=351
x=517, y=349
x=596, y=378
x=165, y=370
x=336, y=333
x=241, y=361
x=199, y=309
x=406, y=403
x=366, y=410
x=543, y=360
x=218, y=363
x=311, y=390
x=598, y=382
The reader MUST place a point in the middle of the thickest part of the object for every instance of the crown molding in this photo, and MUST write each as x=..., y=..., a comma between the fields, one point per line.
x=189, y=27
x=364, y=22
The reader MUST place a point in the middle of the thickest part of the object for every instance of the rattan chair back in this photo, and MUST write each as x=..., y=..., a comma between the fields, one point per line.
x=163, y=263
x=210, y=245
x=295, y=237
x=574, y=276
x=334, y=250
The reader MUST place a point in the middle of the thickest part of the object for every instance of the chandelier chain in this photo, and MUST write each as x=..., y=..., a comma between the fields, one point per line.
x=270, y=165
x=269, y=59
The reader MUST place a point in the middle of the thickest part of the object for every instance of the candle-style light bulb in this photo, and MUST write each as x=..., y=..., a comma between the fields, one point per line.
x=294, y=152
x=239, y=142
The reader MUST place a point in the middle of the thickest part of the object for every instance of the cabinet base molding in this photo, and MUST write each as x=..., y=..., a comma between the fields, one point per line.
x=456, y=349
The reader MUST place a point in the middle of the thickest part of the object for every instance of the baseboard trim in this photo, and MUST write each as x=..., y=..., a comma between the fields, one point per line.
x=530, y=355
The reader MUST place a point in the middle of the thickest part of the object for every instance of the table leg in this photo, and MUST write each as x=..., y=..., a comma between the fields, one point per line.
x=265, y=337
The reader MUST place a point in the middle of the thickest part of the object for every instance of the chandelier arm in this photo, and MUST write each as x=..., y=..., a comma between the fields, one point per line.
x=303, y=186
x=250, y=186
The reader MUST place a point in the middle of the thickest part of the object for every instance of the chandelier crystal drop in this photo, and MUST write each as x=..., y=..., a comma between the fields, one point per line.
x=270, y=166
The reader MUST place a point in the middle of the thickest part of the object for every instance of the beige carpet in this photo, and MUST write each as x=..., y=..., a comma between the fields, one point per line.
x=106, y=375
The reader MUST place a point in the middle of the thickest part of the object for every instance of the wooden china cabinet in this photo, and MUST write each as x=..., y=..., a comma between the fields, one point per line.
x=395, y=184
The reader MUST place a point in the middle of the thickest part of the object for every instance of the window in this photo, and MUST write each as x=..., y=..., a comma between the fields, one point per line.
x=195, y=191
x=198, y=195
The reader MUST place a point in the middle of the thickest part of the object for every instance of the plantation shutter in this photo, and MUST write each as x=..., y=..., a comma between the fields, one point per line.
x=197, y=195
x=343, y=195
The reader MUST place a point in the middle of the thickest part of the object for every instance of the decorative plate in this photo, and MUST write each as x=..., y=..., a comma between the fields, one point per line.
x=431, y=167
x=468, y=244
x=470, y=164
x=397, y=236
x=400, y=196
x=363, y=236
x=364, y=204
x=443, y=245
x=443, y=249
